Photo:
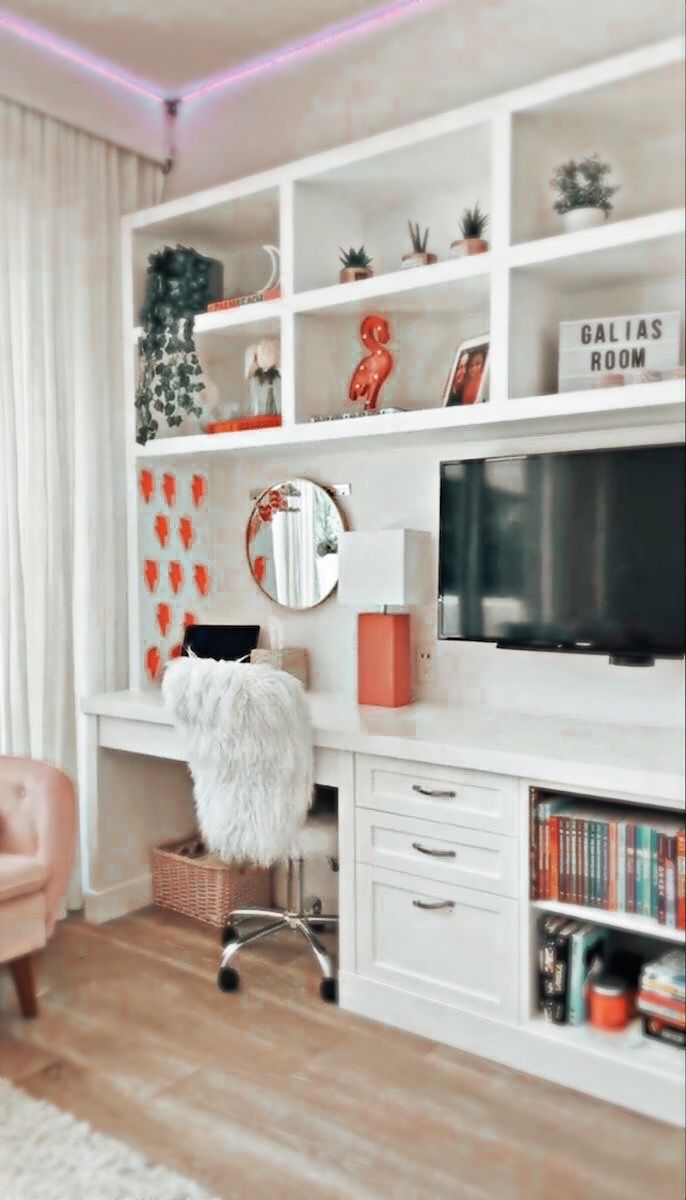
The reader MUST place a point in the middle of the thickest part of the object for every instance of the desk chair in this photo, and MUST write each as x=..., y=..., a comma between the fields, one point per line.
x=247, y=735
x=37, y=841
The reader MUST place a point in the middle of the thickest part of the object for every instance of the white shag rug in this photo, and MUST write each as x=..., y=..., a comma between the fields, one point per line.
x=46, y=1154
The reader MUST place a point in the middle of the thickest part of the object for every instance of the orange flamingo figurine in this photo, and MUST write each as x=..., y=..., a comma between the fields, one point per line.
x=373, y=371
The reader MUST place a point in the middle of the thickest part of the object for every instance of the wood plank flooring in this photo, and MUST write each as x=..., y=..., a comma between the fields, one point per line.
x=272, y=1094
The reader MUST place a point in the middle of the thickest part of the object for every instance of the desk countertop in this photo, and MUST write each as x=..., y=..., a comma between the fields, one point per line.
x=564, y=752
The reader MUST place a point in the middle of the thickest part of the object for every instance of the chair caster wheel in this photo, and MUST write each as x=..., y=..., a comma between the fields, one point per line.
x=228, y=980
x=328, y=990
x=229, y=934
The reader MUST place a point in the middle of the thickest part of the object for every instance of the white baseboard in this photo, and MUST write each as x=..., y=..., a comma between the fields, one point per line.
x=629, y=1086
x=118, y=900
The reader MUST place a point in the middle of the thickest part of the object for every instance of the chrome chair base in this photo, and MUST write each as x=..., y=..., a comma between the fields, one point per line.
x=296, y=918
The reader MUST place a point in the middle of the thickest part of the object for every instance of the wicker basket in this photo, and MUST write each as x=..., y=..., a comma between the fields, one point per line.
x=205, y=887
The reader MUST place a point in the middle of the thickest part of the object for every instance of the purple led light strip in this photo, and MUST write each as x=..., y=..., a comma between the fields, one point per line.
x=28, y=32
x=375, y=19
x=325, y=40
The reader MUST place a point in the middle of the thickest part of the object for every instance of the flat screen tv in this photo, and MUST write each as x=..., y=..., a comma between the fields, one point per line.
x=579, y=552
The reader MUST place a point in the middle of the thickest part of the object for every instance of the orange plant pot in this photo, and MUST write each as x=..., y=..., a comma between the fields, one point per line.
x=384, y=675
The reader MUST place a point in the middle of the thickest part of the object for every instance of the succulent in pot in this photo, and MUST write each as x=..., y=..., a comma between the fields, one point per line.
x=262, y=372
x=583, y=194
x=419, y=256
x=356, y=264
x=473, y=223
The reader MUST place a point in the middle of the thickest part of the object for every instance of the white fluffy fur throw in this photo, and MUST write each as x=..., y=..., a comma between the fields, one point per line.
x=247, y=734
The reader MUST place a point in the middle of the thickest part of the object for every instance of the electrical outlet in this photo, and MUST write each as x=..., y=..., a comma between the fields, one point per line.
x=424, y=663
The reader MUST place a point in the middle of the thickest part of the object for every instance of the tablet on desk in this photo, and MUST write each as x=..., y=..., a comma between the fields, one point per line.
x=229, y=642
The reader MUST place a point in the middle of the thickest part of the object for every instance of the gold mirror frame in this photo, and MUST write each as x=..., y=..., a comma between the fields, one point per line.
x=295, y=564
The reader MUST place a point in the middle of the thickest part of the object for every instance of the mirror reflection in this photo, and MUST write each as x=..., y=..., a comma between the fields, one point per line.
x=292, y=543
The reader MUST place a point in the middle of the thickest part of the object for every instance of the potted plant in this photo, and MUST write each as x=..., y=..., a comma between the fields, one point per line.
x=583, y=193
x=419, y=256
x=356, y=264
x=473, y=222
x=262, y=372
x=180, y=283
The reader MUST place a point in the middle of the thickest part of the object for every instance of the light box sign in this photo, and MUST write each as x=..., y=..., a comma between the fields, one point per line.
x=605, y=351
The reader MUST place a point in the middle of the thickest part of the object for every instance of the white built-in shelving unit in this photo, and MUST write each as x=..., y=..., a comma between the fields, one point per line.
x=500, y=152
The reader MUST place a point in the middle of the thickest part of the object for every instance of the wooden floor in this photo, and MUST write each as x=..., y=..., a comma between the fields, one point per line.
x=272, y=1094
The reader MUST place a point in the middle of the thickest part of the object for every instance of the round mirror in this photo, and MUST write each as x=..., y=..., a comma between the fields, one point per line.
x=292, y=543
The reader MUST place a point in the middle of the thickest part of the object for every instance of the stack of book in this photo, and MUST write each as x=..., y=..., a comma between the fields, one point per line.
x=567, y=951
x=238, y=301
x=609, y=857
x=662, y=998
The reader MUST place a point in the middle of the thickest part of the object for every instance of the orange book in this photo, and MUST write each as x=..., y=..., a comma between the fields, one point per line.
x=554, y=877
x=681, y=879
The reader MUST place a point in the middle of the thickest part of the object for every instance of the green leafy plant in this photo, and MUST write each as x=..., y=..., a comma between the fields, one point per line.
x=473, y=222
x=179, y=285
x=419, y=243
x=355, y=258
x=582, y=184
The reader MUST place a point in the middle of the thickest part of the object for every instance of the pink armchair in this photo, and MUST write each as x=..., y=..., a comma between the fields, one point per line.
x=37, y=839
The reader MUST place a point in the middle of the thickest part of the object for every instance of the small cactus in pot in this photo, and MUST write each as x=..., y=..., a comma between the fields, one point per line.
x=473, y=223
x=356, y=264
x=419, y=256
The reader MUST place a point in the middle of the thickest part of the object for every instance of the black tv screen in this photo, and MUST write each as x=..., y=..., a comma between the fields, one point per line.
x=578, y=551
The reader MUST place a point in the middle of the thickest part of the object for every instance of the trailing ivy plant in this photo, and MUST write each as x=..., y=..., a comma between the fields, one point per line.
x=179, y=285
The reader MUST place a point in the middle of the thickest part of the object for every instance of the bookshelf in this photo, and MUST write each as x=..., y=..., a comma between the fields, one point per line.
x=642, y=926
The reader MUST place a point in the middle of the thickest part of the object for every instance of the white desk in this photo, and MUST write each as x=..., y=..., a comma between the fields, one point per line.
x=466, y=979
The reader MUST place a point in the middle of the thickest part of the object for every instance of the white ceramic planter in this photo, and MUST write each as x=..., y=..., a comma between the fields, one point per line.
x=582, y=218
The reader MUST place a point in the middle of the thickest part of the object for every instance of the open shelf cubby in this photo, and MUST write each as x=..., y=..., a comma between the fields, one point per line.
x=635, y=124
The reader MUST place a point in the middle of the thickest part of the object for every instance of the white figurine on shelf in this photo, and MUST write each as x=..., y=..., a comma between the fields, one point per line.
x=262, y=371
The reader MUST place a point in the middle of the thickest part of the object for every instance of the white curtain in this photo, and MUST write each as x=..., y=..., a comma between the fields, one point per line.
x=62, y=477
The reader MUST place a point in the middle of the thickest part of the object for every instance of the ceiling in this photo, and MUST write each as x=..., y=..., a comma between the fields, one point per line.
x=173, y=42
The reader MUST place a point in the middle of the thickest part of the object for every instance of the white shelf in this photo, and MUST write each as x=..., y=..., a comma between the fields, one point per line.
x=645, y=926
x=627, y=1048
x=394, y=283
x=611, y=235
x=230, y=318
x=569, y=412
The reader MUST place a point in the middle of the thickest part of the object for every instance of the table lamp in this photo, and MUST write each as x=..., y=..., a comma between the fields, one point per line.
x=386, y=568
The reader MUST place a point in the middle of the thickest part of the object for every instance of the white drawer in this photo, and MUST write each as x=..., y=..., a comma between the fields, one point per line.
x=472, y=799
x=466, y=857
x=463, y=953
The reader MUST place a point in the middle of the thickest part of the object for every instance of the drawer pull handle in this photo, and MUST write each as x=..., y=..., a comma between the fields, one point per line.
x=433, y=853
x=435, y=793
x=433, y=906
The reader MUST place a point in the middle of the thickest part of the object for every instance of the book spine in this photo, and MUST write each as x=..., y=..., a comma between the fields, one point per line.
x=670, y=882
x=575, y=1015
x=554, y=857
x=647, y=883
x=561, y=976
x=612, y=868
x=579, y=836
x=591, y=864
x=605, y=864
x=621, y=866
x=640, y=870
x=533, y=844
x=572, y=860
x=597, y=870
x=546, y=852
x=661, y=892
x=681, y=879
x=631, y=868
x=654, y=838
x=586, y=900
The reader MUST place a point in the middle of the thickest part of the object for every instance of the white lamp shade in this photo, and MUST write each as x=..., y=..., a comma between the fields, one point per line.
x=388, y=567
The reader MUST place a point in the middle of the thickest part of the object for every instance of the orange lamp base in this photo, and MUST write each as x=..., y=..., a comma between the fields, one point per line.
x=384, y=675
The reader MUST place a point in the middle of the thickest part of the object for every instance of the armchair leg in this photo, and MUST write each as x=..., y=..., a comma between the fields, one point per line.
x=24, y=985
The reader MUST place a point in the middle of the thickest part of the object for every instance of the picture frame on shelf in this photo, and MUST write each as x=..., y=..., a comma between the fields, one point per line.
x=467, y=381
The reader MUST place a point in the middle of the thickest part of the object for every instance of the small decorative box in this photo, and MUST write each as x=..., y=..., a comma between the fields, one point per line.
x=294, y=661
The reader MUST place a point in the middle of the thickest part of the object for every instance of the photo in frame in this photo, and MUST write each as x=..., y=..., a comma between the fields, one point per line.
x=468, y=379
